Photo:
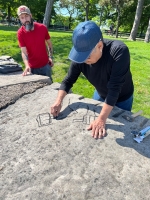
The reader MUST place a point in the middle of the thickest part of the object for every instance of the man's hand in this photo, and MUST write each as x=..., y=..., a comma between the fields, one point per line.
x=27, y=69
x=98, y=128
x=55, y=109
x=51, y=62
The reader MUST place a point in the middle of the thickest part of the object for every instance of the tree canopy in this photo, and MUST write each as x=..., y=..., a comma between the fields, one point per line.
x=120, y=13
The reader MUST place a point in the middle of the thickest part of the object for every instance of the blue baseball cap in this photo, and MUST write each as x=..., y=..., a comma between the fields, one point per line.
x=85, y=37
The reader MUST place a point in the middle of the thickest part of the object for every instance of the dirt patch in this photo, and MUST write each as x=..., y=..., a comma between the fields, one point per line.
x=10, y=94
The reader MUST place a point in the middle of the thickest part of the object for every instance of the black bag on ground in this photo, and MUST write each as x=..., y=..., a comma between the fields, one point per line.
x=8, y=65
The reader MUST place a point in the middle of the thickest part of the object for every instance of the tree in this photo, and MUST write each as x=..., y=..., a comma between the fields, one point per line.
x=70, y=6
x=136, y=20
x=9, y=5
x=114, y=10
x=147, y=36
x=85, y=5
x=48, y=10
x=104, y=12
x=87, y=9
x=118, y=9
x=83, y=9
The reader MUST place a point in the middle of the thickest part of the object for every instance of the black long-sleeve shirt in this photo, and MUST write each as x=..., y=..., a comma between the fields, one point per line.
x=110, y=75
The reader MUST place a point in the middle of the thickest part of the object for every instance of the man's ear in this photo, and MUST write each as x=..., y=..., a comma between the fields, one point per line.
x=100, y=45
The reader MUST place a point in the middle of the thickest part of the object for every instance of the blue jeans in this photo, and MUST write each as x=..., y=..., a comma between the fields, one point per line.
x=125, y=105
x=44, y=71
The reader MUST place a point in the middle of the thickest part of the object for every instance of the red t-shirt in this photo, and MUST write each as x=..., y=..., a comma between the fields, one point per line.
x=34, y=41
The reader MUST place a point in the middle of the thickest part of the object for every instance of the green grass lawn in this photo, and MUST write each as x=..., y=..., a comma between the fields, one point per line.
x=140, y=64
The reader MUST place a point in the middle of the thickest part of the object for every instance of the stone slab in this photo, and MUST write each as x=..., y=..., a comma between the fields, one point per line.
x=54, y=159
x=17, y=78
x=13, y=86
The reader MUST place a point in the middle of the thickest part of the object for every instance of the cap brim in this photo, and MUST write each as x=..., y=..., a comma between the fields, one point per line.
x=78, y=57
x=23, y=13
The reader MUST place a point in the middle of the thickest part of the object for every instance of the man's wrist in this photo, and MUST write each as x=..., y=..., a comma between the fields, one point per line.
x=51, y=57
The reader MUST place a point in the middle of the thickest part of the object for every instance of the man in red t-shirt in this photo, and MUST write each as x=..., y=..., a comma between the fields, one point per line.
x=34, y=41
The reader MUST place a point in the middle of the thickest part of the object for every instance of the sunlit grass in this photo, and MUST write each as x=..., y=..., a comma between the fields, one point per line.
x=140, y=64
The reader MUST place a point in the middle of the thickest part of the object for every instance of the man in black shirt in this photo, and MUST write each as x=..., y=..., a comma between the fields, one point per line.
x=106, y=65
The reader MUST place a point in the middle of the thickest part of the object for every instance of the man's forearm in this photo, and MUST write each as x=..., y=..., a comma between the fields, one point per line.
x=61, y=95
x=50, y=48
x=25, y=59
x=50, y=51
x=56, y=107
x=106, y=110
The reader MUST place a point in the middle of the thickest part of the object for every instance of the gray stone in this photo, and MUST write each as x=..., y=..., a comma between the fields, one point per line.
x=13, y=86
x=54, y=159
x=17, y=78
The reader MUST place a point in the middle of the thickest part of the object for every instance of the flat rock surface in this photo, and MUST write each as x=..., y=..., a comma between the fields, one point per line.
x=54, y=159
x=17, y=78
x=13, y=86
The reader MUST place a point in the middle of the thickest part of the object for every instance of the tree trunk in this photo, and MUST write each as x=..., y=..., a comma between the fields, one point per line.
x=118, y=19
x=9, y=15
x=147, y=36
x=70, y=19
x=136, y=20
x=100, y=18
x=48, y=10
x=87, y=10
